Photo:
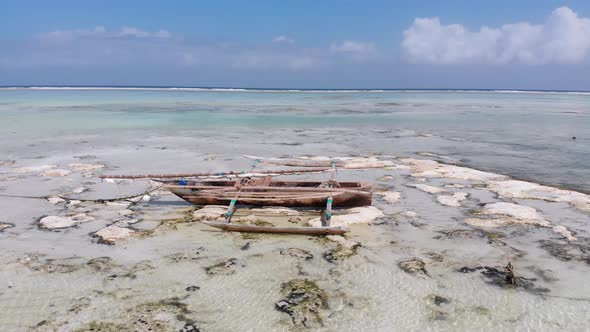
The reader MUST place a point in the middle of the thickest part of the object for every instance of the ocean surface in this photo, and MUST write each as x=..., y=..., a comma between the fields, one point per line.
x=525, y=134
x=430, y=254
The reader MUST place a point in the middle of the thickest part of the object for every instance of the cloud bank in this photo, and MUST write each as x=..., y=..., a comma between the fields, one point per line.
x=563, y=39
x=355, y=49
x=130, y=47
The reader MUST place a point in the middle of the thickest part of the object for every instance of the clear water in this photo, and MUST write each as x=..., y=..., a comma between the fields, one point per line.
x=527, y=135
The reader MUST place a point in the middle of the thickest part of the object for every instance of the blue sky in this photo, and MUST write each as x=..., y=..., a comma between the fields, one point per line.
x=528, y=44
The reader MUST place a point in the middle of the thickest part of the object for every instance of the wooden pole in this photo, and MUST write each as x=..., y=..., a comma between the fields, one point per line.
x=192, y=175
x=228, y=173
x=277, y=229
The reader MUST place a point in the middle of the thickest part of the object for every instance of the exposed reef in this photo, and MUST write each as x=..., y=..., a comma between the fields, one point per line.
x=57, y=222
x=389, y=196
x=529, y=190
x=422, y=168
x=113, y=234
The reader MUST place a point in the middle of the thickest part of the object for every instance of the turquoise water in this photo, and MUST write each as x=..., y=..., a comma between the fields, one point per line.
x=525, y=134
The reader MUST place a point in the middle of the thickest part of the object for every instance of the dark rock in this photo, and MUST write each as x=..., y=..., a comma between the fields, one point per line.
x=245, y=246
x=413, y=266
x=510, y=278
x=191, y=255
x=5, y=225
x=578, y=250
x=502, y=278
x=192, y=288
x=439, y=300
x=304, y=302
x=190, y=327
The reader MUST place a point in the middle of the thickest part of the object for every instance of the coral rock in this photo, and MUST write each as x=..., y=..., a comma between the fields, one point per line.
x=113, y=234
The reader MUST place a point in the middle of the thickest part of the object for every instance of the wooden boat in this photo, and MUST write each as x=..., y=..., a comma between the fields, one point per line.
x=263, y=191
x=307, y=194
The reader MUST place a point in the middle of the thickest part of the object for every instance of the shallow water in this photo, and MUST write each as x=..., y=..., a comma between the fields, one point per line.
x=527, y=135
x=47, y=279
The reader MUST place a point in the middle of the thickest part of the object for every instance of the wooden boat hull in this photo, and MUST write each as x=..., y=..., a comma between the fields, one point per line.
x=278, y=230
x=278, y=193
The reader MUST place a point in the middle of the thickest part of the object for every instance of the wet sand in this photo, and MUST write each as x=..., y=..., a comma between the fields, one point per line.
x=435, y=259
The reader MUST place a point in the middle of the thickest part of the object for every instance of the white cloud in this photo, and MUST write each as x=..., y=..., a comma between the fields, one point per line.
x=283, y=39
x=133, y=32
x=264, y=60
x=355, y=49
x=563, y=38
x=163, y=34
x=101, y=32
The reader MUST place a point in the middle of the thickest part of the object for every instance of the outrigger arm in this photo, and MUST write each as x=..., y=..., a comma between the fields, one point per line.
x=230, y=211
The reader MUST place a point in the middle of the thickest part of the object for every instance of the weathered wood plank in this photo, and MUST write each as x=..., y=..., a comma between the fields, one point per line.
x=277, y=229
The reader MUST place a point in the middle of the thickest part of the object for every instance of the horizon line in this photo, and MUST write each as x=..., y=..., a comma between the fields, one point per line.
x=261, y=89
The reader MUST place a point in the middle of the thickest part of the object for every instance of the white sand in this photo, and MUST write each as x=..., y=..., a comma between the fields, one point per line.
x=389, y=196
x=356, y=215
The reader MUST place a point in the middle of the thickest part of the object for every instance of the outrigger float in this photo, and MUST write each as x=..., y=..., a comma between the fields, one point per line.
x=260, y=189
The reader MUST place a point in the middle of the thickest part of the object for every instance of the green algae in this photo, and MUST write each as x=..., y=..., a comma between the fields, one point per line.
x=297, y=253
x=303, y=300
x=227, y=267
x=165, y=315
x=95, y=326
x=249, y=236
x=413, y=266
